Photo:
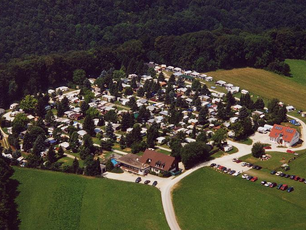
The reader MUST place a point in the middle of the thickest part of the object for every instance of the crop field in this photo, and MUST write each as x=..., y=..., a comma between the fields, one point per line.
x=211, y=200
x=52, y=200
x=265, y=84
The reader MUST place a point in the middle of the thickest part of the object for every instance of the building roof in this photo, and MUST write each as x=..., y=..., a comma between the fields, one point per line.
x=132, y=160
x=157, y=160
x=286, y=132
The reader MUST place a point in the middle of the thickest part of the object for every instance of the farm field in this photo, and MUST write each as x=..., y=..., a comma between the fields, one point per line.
x=210, y=200
x=52, y=200
x=298, y=70
x=265, y=84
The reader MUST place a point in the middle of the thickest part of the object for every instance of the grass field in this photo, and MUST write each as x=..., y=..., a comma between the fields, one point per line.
x=210, y=200
x=274, y=163
x=298, y=70
x=51, y=200
x=265, y=84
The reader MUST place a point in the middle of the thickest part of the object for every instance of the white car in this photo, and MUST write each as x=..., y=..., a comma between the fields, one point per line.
x=236, y=173
x=278, y=173
x=244, y=176
x=243, y=164
x=268, y=184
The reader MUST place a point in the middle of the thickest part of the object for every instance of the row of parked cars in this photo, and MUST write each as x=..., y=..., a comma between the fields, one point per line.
x=292, y=177
x=138, y=180
x=283, y=187
x=225, y=170
x=250, y=178
x=245, y=164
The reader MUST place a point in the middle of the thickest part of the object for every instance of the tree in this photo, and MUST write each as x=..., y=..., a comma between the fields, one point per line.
x=41, y=107
x=85, y=152
x=132, y=104
x=109, y=165
x=19, y=124
x=38, y=146
x=89, y=125
x=84, y=107
x=203, y=115
x=152, y=134
x=194, y=153
x=221, y=111
x=87, y=142
x=75, y=165
x=140, y=92
x=109, y=132
x=128, y=91
x=74, y=142
x=176, y=147
x=79, y=76
x=243, y=113
x=27, y=142
x=122, y=142
x=107, y=145
x=28, y=104
x=111, y=116
x=230, y=99
x=202, y=137
x=258, y=150
x=92, y=167
x=134, y=83
x=51, y=155
x=49, y=118
x=126, y=121
x=65, y=104
x=196, y=85
x=60, y=152
x=219, y=137
x=101, y=121
x=259, y=104
x=60, y=109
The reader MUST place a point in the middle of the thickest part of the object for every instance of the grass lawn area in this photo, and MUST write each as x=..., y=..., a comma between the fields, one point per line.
x=274, y=163
x=298, y=70
x=207, y=199
x=297, y=167
x=52, y=200
x=163, y=151
x=221, y=153
x=66, y=161
x=247, y=141
x=265, y=84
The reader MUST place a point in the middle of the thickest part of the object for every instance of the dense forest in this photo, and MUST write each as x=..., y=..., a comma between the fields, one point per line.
x=43, y=42
x=41, y=27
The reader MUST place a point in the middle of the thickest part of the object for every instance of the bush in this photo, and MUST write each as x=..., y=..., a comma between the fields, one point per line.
x=258, y=150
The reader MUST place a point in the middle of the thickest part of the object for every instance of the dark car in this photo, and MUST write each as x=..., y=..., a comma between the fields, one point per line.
x=138, y=179
x=273, y=185
x=146, y=182
x=249, y=178
x=279, y=186
x=238, y=161
x=282, y=174
x=302, y=180
x=296, y=178
x=287, y=175
x=257, y=167
x=212, y=164
x=292, y=177
x=272, y=172
x=154, y=183
x=290, y=189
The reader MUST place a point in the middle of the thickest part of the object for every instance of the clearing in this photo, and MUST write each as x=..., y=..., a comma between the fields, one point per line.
x=207, y=199
x=52, y=200
x=298, y=70
x=265, y=84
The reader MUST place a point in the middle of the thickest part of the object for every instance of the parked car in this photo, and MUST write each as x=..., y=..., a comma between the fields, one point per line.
x=254, y=179
x=296, y=178
x=292, y=177
x=284, y=187
x=272, y=172
x=302, y=180
x=244, y=176
x=278, y=173
x=236, y=173
x=279, y=186
x=290, y=189
x=238, y=161
x=243, y=164
x=267, y=184
x=234, y=159
x=212, y=164
x=282, y=174
x=138, y=179
x=154, y=183
x=267, y=147
x=273, y=184
x=287, y=175
x=147, y=182
x=290, y=151
x=249, y=178
x=257, y=167
x=263, y=182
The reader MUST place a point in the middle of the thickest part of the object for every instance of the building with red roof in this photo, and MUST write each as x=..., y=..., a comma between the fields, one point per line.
x=284, y=136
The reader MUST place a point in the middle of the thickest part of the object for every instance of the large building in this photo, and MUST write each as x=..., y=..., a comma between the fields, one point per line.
x=284, y=136
x=150, y=161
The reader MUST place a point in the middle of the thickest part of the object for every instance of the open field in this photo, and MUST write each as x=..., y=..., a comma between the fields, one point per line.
x=51, y=200
x=298, y=70
x=274, y=163
x=210, y=200
x=265, y=84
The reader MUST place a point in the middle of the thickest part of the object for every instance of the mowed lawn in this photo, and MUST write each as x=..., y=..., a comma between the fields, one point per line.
x=52, y=200
x=274, y=163
x=265, y=84
x=297, y=70
x=210, y=200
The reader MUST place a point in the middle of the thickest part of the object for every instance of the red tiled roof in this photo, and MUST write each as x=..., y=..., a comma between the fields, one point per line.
x=288, y=133
x=157, y=160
